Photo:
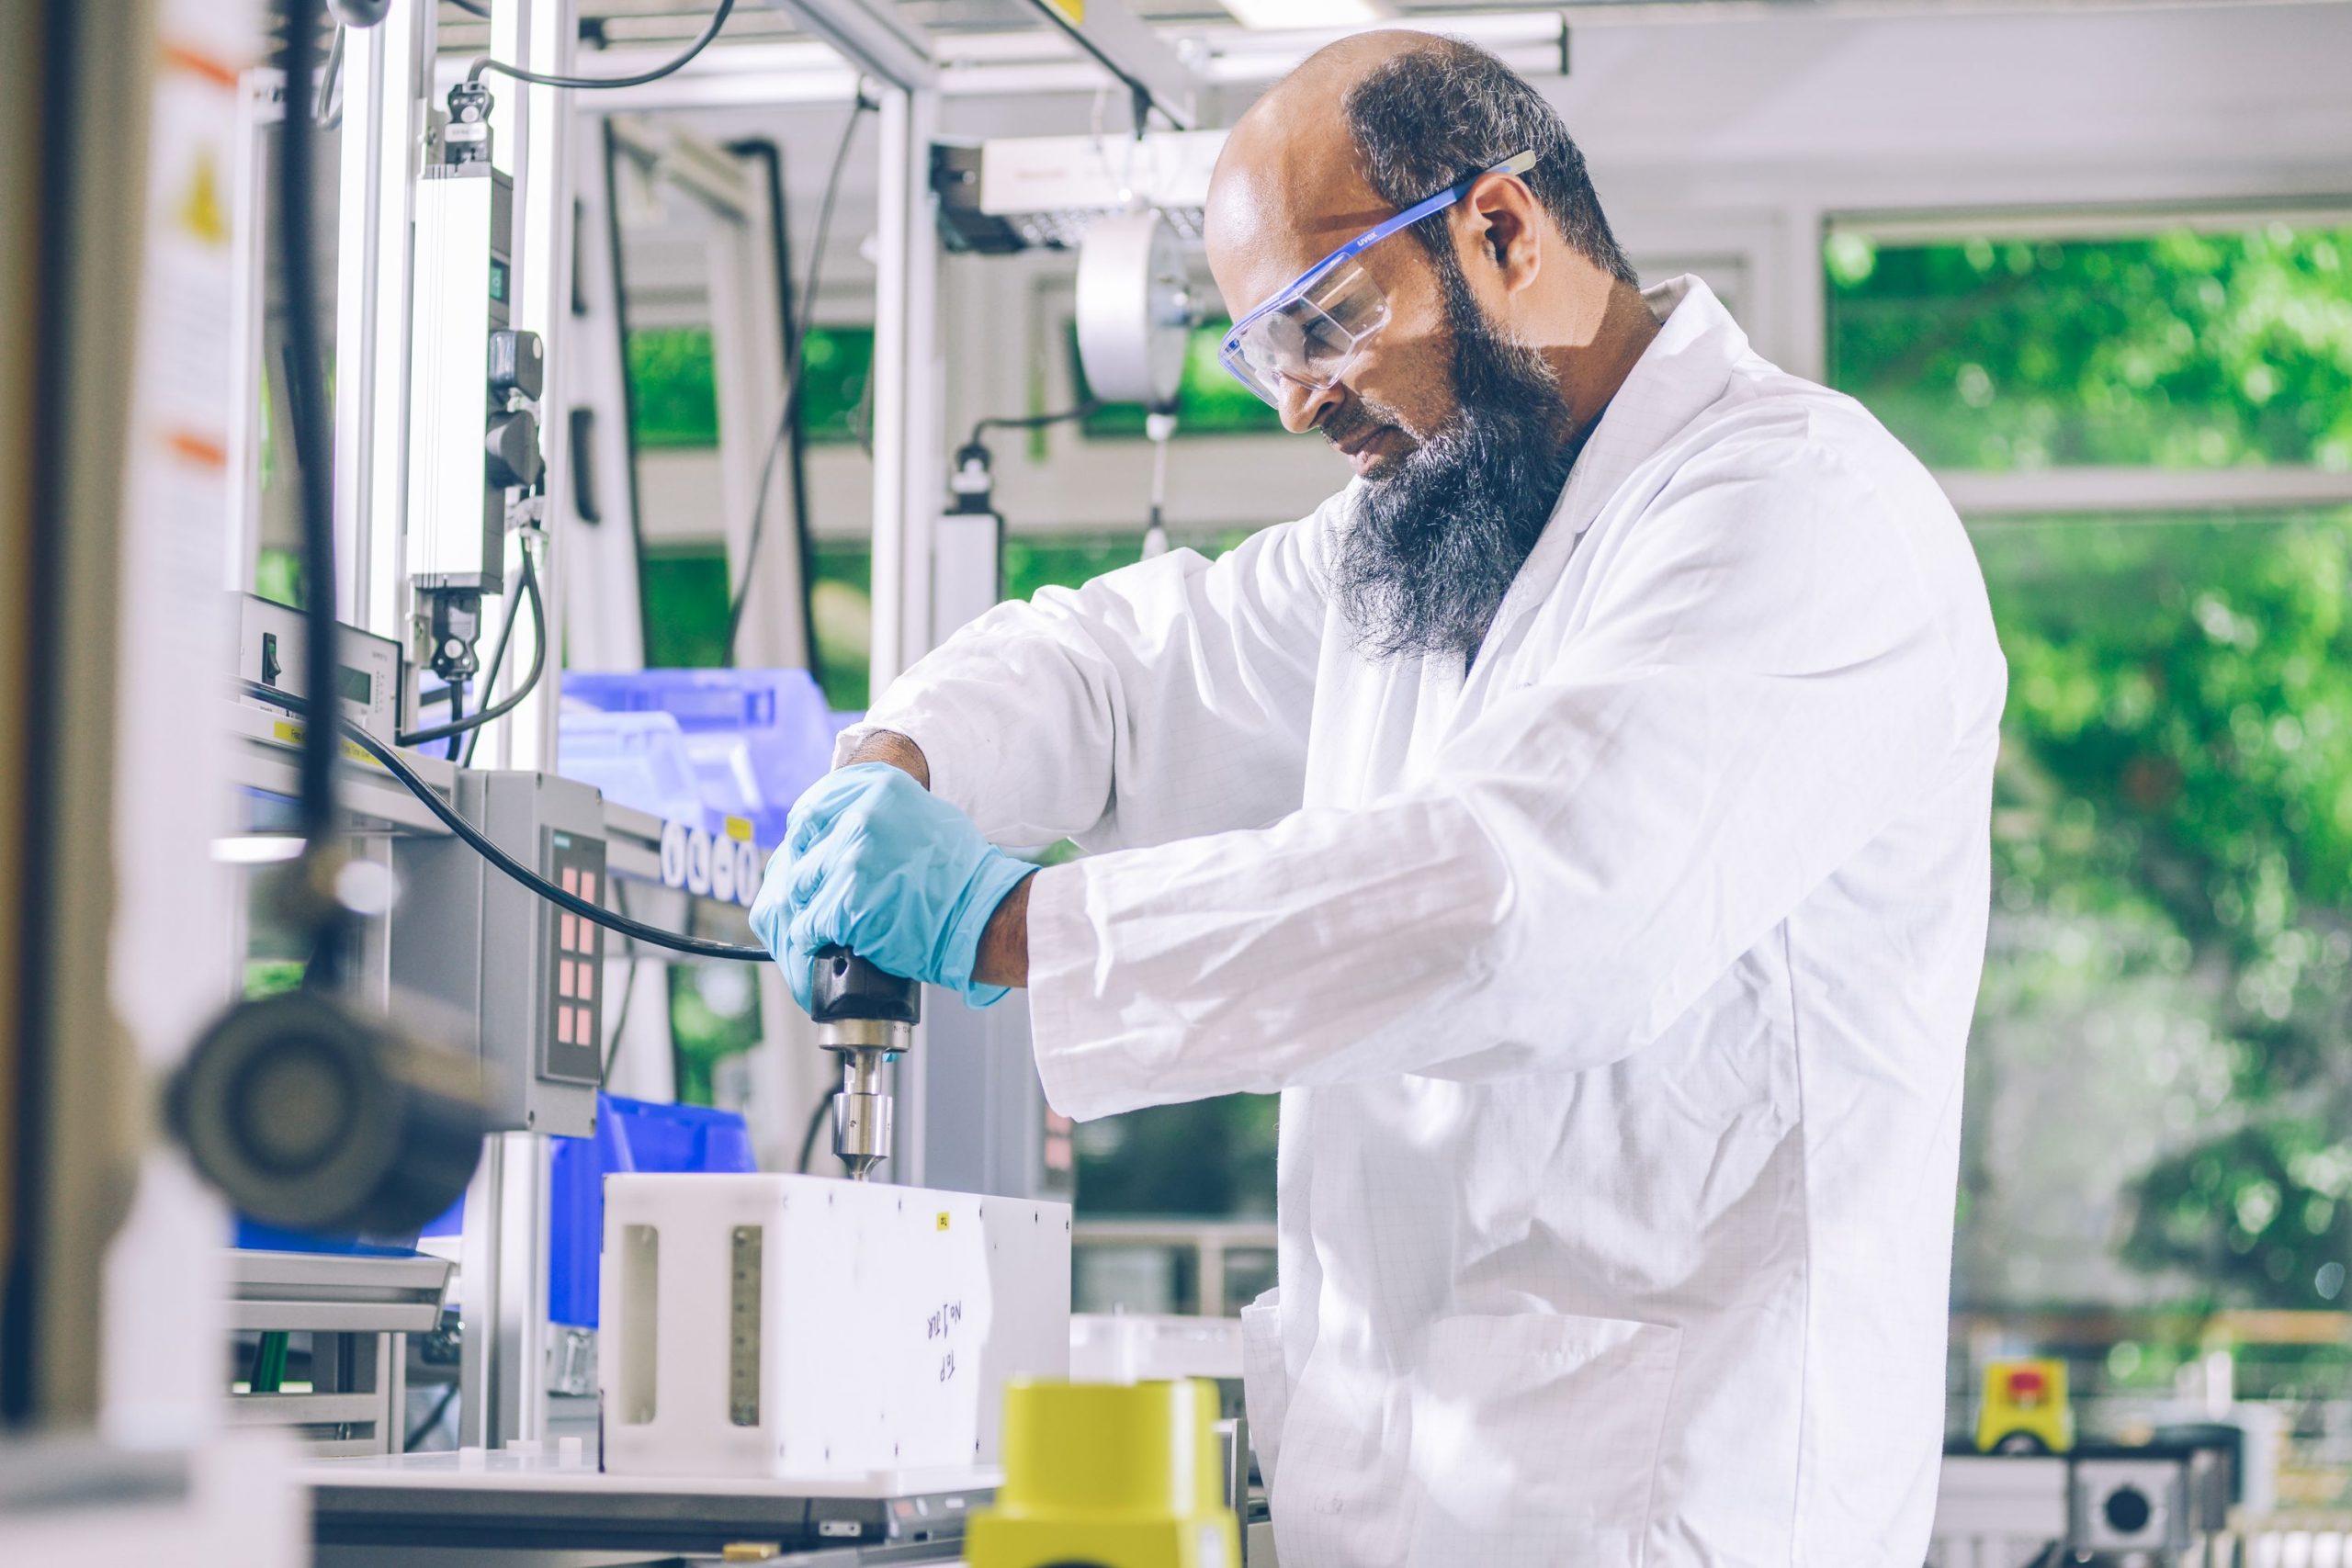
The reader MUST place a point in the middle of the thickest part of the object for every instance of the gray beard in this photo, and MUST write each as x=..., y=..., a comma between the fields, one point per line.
x=1434, y=545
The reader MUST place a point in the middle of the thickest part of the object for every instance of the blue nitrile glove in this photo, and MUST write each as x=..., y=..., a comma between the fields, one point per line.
x=875, y=862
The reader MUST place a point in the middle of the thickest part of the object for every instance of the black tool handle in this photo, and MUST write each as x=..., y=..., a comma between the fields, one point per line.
x=847, y=987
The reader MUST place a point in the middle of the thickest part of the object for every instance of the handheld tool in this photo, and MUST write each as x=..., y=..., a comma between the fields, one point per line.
x=867, y=1018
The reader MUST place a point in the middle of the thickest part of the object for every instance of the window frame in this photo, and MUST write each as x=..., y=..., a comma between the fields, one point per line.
x=2108, y=491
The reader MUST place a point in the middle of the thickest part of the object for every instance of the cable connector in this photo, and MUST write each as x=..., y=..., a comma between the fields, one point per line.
x=973, y=486
x=466, y=139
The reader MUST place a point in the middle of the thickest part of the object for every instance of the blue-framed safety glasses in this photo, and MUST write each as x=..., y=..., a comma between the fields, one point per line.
x=1310, y=332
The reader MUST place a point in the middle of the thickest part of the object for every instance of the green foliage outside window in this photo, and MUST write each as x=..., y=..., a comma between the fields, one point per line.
x=2179, y=349
x=673, y=395
x=2159, y=1091
x=842, y=612
x=277, y=576
x=714, y=1014
x=1209, y=402
x=673, y=389
x=685, y=593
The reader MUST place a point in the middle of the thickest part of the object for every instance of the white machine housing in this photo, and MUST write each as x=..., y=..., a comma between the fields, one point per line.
x=806, y=1328
x=465, y=286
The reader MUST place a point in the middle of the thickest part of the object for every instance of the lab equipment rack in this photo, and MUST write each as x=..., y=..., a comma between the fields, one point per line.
x=516, y=1505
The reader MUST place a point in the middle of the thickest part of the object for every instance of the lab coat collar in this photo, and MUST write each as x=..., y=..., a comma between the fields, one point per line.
x=1684, y=370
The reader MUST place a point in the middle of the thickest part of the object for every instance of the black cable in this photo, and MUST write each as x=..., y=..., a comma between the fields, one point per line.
x=699, y=947
x=791, y=411
x=472, y=9
x=1030, y=422
x=307, y=412
x=628, y=989
x=816, y=1125
x=455, y=727
x=410, y=1438
x=513, y=699
x=709, y=31
x=796, y=449
x=306, y=409
x=497, y=663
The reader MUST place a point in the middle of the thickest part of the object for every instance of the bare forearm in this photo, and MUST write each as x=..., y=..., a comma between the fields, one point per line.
x=889, y=746
x=1003, y=957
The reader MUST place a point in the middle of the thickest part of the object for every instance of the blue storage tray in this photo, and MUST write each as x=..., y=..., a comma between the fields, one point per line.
x=631, y=1136
x=755, y=738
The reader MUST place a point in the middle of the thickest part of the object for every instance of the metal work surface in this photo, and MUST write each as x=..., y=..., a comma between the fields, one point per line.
x=534, y=1501
x=330, y=1292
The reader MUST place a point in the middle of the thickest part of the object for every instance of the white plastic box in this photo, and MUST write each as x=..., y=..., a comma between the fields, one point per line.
x=802, y=1327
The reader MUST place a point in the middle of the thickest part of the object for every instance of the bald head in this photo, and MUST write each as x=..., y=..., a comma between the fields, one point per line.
x=1372, y=124
x=1291, y=166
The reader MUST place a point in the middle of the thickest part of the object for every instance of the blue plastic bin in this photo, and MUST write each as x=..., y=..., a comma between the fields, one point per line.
x=255, y=1237
x=631, y=1136
x=637, y=759
x=754, y=738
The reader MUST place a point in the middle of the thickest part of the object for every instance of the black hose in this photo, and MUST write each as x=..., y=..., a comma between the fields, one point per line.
x=489, y=672
x=306, y=409
x=668, y=67
x=1029, y=421
x=790, y=415
x=816, y=1125
x=699, y=947
x=513, y=699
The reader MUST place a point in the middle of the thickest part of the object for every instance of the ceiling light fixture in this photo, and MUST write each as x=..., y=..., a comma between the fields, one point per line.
x=1296, y=13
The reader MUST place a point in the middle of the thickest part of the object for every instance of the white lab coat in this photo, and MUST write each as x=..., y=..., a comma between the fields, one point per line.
x=1616, y=993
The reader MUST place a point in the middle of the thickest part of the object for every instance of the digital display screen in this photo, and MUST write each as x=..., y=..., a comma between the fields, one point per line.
x=355, y=685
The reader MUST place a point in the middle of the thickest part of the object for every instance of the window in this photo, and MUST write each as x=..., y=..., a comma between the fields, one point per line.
x=673, y=389
x=2188, y=348
x=685, y=593
x=2157, y=1180
x=2154, y=1076
x=673, y=397
x=1209, y=402
x=673, y=407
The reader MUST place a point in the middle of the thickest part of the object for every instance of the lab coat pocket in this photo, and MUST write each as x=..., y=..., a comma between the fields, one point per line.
x=1265, y=1380
x=1536, y=1439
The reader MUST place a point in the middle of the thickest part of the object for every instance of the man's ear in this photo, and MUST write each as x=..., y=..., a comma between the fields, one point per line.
x=1506, y=229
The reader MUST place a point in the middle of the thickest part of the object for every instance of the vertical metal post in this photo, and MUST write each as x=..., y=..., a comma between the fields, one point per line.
x=909, y=469
x=749, y=369
x=503, y=1273
x=387, y=77
x=248, y=201
x=599, y=562
x=1208, y=1253
x=535, y=126
x=908, y=472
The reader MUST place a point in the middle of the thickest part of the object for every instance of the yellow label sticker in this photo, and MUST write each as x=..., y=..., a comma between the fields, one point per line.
x=1074, y=11
x=940, y=1224
x=739, y=829
x=291, y=733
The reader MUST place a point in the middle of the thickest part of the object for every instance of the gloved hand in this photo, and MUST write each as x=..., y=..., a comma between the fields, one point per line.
x=875, y=862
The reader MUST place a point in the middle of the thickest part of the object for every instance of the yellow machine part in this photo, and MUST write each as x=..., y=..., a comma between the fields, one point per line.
x=2025, y=1408
x=1123, y=1475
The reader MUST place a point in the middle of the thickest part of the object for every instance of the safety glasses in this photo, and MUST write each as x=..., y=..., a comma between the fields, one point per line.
x=1310, y=332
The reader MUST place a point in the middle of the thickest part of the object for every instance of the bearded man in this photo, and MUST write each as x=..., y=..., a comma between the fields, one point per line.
x=1581, y=820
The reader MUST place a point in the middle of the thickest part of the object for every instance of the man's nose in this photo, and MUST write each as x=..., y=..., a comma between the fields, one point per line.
x=1302, y=406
